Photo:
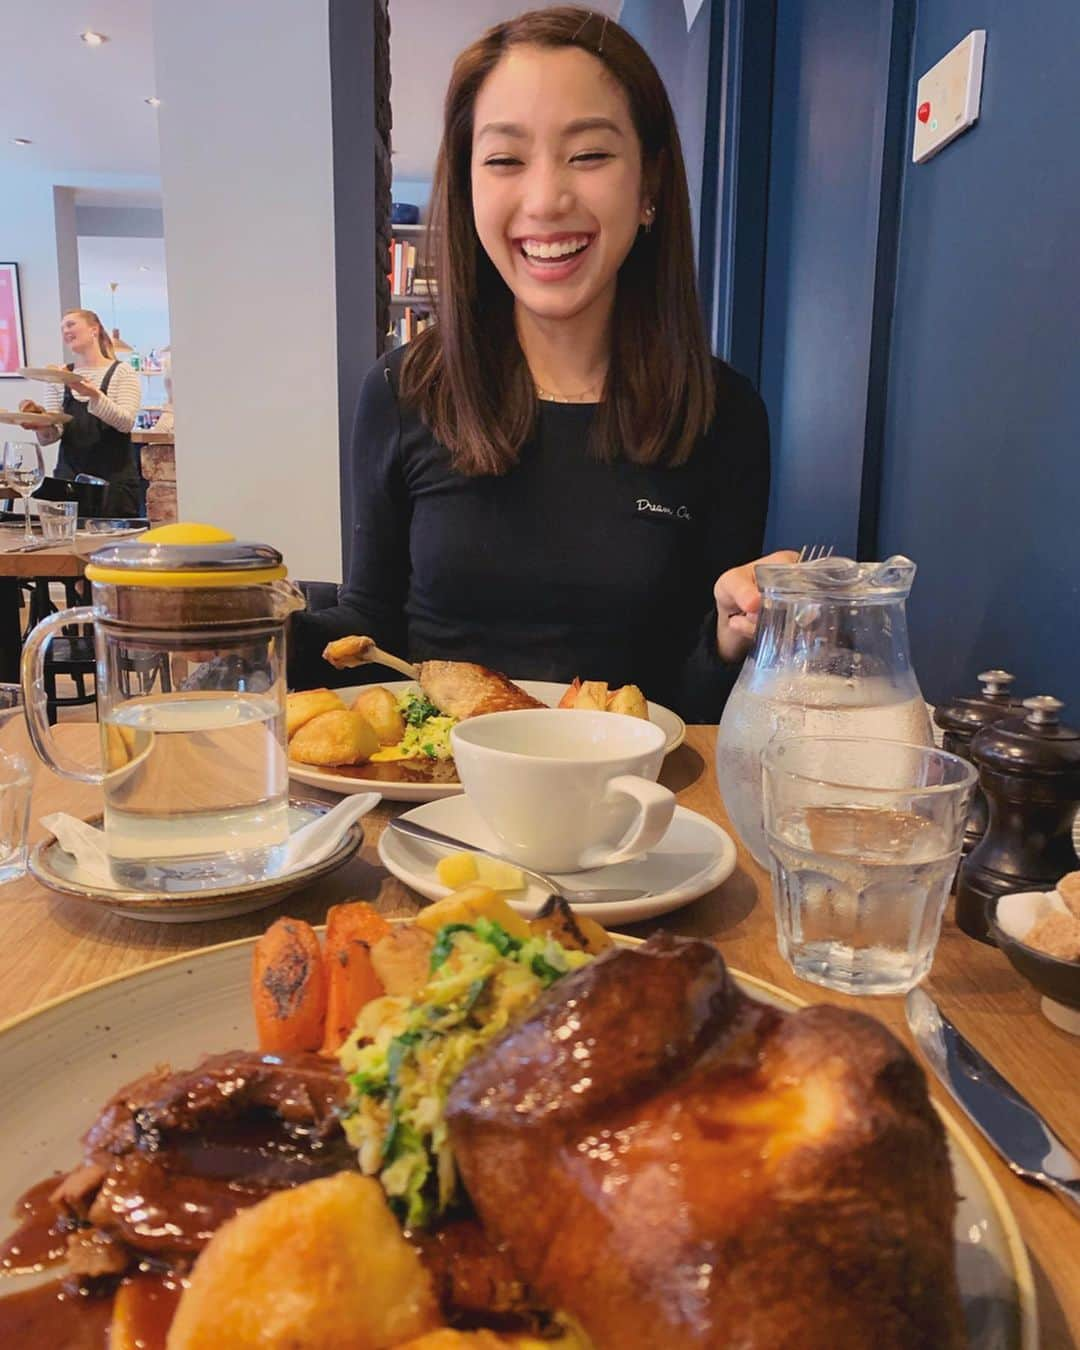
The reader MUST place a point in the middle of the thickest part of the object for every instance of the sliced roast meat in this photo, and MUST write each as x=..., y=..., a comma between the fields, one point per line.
x=173, y=1155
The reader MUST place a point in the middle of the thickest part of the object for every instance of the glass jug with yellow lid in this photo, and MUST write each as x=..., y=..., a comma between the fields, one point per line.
x=189, y=638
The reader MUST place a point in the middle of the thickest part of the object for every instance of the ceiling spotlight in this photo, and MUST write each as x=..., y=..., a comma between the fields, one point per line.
x=143, y=267
x=20, y=140
x=154, y=102
x=93, y=39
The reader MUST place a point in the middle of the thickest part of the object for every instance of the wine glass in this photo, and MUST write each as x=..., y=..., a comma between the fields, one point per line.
x=23, y=470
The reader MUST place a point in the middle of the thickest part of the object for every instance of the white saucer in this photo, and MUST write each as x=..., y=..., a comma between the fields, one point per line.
x=60, y=872
x=693, y=857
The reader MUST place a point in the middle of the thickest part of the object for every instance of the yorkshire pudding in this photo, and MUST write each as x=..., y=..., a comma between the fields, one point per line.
x=679, y=1165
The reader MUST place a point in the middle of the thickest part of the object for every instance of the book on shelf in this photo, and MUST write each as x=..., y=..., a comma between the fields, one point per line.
x=409, y=272
x=405, y=328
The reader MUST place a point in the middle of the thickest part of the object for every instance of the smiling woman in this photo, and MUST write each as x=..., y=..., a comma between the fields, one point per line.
x=551, y=478
x=559, y=139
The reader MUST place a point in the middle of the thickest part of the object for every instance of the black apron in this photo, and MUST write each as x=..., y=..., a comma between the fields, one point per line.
x=89, y=445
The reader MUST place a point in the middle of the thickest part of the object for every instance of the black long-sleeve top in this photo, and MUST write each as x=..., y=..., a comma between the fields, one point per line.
x=564, y=566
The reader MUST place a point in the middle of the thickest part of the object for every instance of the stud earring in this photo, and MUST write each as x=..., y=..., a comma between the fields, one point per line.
x=650, y=216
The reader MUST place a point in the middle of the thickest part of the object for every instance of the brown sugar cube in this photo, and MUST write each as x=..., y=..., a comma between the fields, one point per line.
x=1069, y=890
x=1056, y=935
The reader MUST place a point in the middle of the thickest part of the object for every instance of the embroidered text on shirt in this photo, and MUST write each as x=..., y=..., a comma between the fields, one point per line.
x=658, y=509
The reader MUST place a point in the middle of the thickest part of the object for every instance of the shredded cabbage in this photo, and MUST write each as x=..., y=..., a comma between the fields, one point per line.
x=404, y=1054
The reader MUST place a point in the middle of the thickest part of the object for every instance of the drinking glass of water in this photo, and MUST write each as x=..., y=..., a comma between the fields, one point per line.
x=23, y=470
x=14, y=816
x=864, y=837
x=58, y=520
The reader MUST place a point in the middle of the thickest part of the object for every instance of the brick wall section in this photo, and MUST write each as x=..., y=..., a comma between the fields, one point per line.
x=383, y=169
x=159, y=470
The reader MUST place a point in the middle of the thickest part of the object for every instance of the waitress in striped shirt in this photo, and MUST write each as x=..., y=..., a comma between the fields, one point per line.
x=102, y=405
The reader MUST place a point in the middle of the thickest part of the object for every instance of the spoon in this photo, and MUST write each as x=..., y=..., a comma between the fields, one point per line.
x=599, y=896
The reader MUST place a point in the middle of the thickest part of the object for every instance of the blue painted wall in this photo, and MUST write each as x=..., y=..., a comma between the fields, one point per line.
x=981, y=471
x=828, y=173
x=682, y=58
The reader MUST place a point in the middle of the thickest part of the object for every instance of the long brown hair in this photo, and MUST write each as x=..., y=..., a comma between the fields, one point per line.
x=467, y=374
x=104, y=341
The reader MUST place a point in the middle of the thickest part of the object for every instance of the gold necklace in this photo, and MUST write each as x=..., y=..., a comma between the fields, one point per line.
x=586, y=396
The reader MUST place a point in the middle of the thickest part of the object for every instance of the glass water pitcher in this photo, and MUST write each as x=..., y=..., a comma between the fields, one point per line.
x=830, y=658
x=189, y=638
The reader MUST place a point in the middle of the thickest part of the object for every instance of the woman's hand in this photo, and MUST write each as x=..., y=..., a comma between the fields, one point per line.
x=738, y=601
x=83, y=388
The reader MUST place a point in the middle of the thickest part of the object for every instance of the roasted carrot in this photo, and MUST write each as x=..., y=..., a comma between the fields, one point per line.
x=288, y=988
x=351, y=930
x=357, y=919
x=568, y=699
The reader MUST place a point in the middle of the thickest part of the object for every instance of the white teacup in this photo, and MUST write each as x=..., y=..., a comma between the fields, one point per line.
x=564, y=789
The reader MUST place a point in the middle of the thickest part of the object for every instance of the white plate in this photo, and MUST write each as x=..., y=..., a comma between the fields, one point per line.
x=89, y=541
x=72, y=1054
x=33, y=419
x=693, y=858
x=547, y=691
x=49, y=375
x=59, y=871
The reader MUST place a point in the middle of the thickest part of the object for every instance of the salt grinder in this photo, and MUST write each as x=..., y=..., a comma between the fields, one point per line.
x=1029, y=769
x=962, y=720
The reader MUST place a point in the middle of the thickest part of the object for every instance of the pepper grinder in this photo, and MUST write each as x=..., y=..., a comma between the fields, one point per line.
x=1029, y=769
x=962, y=720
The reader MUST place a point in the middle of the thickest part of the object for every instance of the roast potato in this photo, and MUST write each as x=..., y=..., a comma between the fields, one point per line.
x=301, y=707
x=630, y=701
x=316, y=1268
x=595, y=696
x=468, y=905
x=378, y=707
x=337, y=737
x=402, y=959
x=592, y=695
x=446, y=1338
x=569, y=929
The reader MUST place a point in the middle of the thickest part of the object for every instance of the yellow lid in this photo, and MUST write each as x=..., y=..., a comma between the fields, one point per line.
x=185, y=554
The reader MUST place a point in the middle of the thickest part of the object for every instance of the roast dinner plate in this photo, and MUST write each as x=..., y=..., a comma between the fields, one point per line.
x=70, y=1055
x=50, y=374
x=693, y=858
x=34, y=419
x=360, y=779
x=60, y=872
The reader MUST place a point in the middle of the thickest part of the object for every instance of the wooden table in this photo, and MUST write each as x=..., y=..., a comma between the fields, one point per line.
x=52, y=945
x=60, y=563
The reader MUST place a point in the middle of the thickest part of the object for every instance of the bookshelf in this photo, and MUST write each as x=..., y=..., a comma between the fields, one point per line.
x=411, y=311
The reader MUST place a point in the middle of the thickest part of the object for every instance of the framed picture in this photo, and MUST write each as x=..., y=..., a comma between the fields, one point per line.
x=12, y=338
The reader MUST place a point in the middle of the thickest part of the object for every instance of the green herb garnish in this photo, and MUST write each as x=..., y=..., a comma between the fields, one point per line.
x=419, y=709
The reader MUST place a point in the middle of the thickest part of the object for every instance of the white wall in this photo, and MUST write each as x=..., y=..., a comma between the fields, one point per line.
x=28, y=237
x=246, y=175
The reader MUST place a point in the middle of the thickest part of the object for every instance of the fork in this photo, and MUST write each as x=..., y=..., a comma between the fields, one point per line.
x=813, y=552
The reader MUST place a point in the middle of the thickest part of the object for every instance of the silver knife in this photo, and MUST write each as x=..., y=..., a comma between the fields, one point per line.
x=1003, y=1116
x=33, y=548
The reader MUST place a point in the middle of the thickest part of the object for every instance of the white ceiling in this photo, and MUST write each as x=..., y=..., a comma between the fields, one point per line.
x=102, y=260
x=82, y=107
x=425, y=36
